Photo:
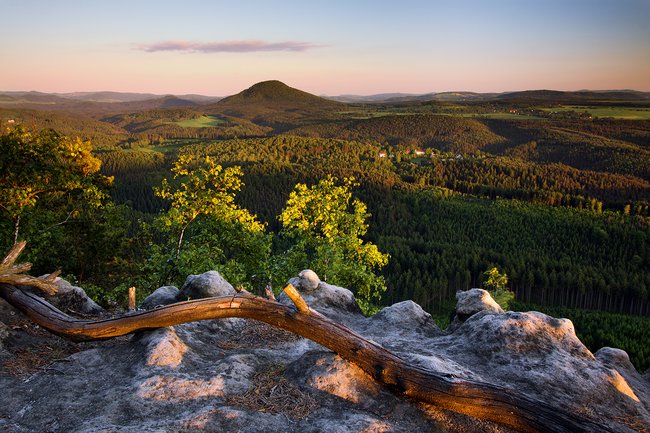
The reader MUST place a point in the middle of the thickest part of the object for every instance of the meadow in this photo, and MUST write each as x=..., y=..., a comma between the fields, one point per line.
x=600, y=112
x=201, y=122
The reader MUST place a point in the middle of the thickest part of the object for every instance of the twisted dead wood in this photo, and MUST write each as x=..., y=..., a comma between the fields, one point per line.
x=480, y=400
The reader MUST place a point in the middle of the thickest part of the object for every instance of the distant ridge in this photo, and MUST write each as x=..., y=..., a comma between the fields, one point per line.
x=578, y=96
x=525, y=95
x=110, y=97
x=116, y=97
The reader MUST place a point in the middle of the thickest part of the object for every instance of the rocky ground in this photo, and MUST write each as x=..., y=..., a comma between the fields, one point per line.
x=238, y=375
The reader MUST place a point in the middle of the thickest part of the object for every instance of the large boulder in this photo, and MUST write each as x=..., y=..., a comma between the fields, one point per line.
x=472, y=301
x=206, y=285
x=406, y=315
x=161, y=296
x=307, y=281
x=334, y=301
x=538, y=355
x=613, y=357
x=71, y=299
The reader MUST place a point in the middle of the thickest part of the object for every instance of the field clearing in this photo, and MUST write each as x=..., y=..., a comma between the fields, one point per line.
x=500, y=116
x=172, y=146
x=625, y=113
x=201, y=122
x=361, y=114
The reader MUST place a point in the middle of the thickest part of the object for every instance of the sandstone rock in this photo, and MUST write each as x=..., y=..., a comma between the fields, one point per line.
x=333, y=301
x=161, y=296
x=616, y=358
x=307, y=281
x=205, y=285
x=406, y=315
x=472, y=301
x=72, y=299
x=164, y=348
x=186, y=378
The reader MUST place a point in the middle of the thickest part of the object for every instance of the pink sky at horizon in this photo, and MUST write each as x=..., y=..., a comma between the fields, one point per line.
x=218, y=48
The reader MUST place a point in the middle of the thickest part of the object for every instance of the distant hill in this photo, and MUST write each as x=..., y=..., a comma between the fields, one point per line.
x=275, y=92
x=100, y=133
x=113, y=97
x=98, y=103
x=275, y=104
x=445, y=96
x=380, y=97
x=581, y=96
x=109, y=97
x=455, y=134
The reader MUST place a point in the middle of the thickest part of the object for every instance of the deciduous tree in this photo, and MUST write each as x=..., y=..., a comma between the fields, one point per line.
x=328, y=226
x=46, y=168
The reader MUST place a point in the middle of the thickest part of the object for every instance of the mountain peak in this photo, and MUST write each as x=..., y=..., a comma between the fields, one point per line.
x=273, y=91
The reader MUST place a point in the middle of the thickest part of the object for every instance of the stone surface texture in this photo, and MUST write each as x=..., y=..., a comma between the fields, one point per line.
x=194, y=377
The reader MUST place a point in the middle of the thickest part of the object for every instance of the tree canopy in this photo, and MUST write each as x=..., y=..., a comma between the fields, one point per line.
x=46, y=167
x=204, y=202
x=328, y=225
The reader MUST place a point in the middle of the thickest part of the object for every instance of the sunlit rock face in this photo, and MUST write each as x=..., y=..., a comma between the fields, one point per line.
x=473, y=301
x=164, y=348
x=232, y=374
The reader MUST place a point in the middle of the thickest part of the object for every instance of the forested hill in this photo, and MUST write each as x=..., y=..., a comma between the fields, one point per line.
x=272, y=94
x=273, y=103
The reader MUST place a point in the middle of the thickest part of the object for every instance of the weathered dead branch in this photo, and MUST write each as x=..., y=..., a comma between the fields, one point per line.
x=10, y=273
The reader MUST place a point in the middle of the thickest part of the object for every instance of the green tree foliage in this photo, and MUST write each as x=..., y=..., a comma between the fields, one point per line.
x=327, y=225
x=48, y=169
x=204, y=228
x=496, y=283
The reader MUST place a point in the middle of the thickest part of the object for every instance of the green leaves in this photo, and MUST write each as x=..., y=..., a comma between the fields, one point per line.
x=327, y=226
x=495, y=282
x=204, y=227
x=206, y=188
x=49, y=169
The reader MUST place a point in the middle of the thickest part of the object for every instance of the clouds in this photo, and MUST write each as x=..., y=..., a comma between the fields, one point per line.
x=245, y=46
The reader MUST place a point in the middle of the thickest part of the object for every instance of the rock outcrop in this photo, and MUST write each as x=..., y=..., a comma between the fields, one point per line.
x=242, y=375
x=72, y=299
x=205, y=285
x=335, y=302
x=164, y=295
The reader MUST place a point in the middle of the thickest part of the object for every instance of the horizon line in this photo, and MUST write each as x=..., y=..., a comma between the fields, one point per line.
x=59, y=93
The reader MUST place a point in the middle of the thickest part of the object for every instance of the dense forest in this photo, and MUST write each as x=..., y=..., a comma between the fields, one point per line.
x=452, y=189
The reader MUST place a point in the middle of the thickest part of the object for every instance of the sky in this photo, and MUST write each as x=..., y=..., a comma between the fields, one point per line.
x=329, y=47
